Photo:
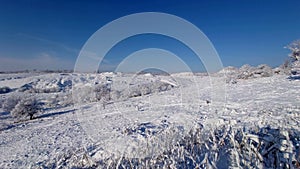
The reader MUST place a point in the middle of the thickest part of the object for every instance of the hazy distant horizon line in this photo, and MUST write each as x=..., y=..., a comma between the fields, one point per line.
x=105, y=71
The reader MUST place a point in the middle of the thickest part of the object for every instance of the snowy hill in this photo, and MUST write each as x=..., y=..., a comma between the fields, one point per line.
x=117, y=120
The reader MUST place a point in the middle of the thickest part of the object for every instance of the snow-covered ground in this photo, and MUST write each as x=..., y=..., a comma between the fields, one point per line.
x=152, y=120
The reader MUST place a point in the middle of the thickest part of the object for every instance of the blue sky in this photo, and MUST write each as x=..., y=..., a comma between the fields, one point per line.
x=40, y=34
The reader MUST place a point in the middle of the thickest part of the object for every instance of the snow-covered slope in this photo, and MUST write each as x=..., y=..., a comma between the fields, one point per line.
x=145, y=120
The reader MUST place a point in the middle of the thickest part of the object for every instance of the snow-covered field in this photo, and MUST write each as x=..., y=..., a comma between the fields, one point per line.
x=152, y=121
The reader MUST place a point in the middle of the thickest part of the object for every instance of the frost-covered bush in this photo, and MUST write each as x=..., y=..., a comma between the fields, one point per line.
x=83, y=94
x=58, y=100
x=4, y=90
x=51, y=101
x=148, y=88
x=248, y=72
x=92, y=93
x=10, y=102
x=223, y=147
x=26, y=107
x=294, y=47
x=230, y=73
x=263, y=71
x=65, y=100
x=245, y=72
x=102, y=92
x=295, y=68
x=71, y=159
x=284, y=68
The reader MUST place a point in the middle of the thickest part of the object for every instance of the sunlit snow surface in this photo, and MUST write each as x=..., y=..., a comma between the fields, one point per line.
x=133, y=124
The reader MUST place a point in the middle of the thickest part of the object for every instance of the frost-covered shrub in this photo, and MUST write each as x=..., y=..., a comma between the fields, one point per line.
x=263, y=71
x=10, y=102
x=65, y=100
x=21, y=107
x=51, y=101
x=284, y=68
x=102, y=92
x=223, y=147
x=248, y=72
x=88, y=94
x=230, y=73
x=4, y=90
x=147, y=88
x=245, y=72
x=71, y=159
x=58, y=100
x=295, y=68
x=26, y=107
x=294, y=47
x=84, y=94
